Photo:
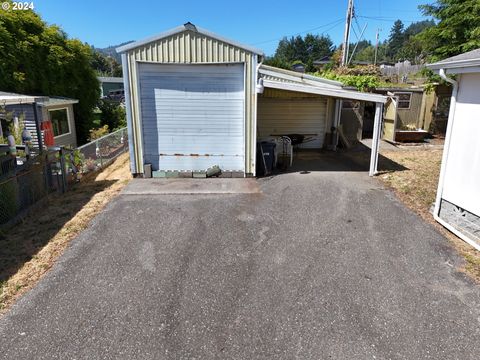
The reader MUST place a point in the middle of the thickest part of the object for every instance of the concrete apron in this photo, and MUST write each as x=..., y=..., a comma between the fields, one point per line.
x=179, y=186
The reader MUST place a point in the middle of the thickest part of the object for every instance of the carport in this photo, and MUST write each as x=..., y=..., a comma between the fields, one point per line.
x=291, y=102
x=193, y=99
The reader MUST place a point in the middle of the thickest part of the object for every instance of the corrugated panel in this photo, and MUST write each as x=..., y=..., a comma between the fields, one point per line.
x=193, y=116
x=293, y=116
x=190, y=48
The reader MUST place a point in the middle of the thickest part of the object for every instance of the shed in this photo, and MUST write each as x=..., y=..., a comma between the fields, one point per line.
x=457, y=206
x=109, y=83
x=196, y=99
x=37, y=109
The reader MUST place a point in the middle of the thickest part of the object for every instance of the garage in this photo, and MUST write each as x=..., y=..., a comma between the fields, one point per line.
x=195, y=100
x=193, y=116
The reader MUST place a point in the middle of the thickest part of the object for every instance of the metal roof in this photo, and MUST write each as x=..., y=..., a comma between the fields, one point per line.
x=7, y=98
x=110, y=79
x=292, y=81
x=289, y=75
x=186, y=27
x=56, y=101
x=468, y=59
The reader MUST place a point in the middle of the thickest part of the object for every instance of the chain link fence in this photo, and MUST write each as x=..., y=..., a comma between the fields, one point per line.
x=102, y=151
x=26, y=184
x=53, y=171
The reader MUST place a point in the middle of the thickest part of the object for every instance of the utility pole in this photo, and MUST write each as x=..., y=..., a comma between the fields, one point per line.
x=376, y=47
x=346, y=38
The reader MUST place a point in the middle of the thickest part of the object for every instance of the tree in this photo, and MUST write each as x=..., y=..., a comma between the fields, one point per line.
x=457, y=30
x=395, y=40
x=39, y=59
x=105, y=65
x=307, y=50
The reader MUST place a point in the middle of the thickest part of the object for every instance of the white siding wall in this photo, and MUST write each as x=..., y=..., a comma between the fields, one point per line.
x=462, y=173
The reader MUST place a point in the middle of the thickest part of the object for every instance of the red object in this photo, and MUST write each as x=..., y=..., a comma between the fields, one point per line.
x=46, y=127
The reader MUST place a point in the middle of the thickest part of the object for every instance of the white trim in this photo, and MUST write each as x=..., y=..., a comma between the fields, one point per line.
x=377, y=126
x=456, y=232
x=68, y=120
x=180, y=29
x=140, y=167
x=339, y=93
x=253, y=87
x=128, y=113
x=446, y=146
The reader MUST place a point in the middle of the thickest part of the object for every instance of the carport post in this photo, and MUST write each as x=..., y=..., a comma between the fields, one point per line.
x=377, y=126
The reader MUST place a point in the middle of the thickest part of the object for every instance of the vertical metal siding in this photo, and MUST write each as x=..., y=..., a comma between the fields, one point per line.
x=293, y=116
x=189, y=48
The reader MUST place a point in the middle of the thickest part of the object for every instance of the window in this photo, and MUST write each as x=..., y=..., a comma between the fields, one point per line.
x=404, y=100
x=59, y=119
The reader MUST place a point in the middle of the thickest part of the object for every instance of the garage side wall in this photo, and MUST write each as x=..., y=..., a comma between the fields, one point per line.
x=191, y=48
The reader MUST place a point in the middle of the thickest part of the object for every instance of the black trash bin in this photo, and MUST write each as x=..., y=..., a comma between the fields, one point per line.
x=265, y=158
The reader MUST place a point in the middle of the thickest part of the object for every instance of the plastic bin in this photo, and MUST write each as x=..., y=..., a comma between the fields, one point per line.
x=265, y=158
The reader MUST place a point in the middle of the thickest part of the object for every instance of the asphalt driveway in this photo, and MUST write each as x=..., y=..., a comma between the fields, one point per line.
x=317, y=266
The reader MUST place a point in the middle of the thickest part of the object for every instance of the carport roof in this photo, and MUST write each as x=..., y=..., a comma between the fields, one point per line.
x=187, y=27
x=289, y=80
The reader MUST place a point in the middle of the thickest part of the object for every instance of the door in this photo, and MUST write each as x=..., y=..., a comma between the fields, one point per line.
x=390, y=119
x=193, y=116
x=279, y=116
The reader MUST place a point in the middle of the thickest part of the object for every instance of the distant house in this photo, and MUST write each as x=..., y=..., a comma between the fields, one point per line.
x=457, y=206
x=299, y=67
x=320, y=63
x=36, y=112
x=108, y=84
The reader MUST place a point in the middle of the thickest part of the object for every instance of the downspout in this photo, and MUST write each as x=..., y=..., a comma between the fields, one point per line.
x=441, y=180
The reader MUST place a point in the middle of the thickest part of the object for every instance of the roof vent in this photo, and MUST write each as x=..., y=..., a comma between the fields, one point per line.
x=190, y=26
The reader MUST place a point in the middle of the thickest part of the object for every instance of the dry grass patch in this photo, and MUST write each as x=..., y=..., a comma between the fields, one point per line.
x=29, y=249
x=416, y=186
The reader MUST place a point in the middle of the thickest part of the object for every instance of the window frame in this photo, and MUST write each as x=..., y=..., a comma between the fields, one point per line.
x=404, y=101
x=68, y=120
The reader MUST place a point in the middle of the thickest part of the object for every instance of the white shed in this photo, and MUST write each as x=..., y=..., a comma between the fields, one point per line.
x=457, y=205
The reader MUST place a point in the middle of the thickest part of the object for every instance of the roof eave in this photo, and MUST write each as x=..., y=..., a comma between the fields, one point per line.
x=332, y=92
x=180, y=29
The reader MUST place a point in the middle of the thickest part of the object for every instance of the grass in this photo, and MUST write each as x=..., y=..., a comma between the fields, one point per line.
x=416, y=186
x=29, y=250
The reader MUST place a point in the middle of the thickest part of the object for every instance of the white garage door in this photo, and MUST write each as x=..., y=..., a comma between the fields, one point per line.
x=193, y=116
x=293, y=116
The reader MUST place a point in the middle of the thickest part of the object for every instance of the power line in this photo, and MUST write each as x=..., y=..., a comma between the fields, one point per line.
x=385, y=19
x=336, y=22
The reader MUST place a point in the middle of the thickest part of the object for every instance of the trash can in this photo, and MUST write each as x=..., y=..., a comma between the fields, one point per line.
x=265, y=158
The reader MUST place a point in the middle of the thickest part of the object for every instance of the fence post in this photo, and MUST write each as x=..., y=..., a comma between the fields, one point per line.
x=63, y=166
x=99, y=152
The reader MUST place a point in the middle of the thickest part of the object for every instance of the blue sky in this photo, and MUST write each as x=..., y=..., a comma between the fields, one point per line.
x=253, y=22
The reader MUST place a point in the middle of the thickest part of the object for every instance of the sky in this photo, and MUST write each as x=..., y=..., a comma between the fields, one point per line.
x=252, y=22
